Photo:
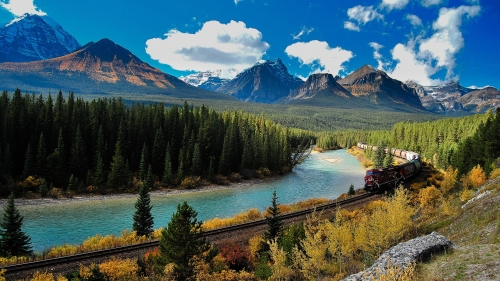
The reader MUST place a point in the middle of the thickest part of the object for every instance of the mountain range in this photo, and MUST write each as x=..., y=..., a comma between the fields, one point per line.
x=39, y=56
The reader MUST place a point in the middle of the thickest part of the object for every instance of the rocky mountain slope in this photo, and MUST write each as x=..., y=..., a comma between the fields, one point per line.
x=101, y=67
x=377, y=88
x=323, y=84
x=33, y=37
x=454, y=98
x=264, y=82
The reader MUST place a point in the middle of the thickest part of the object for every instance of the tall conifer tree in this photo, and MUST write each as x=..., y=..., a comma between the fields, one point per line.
x=13, y=241
x=181, y=241
x=143, y=219
x=274, y=221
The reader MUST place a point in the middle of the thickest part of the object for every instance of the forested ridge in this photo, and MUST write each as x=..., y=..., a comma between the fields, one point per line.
x=75, y=144
x=460, y=142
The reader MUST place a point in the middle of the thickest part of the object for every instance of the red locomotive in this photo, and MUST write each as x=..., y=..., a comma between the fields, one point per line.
x=377, y=179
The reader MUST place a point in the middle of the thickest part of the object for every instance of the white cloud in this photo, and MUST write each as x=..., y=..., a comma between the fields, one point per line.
x=447, y=41
x=394, y=4
x=361, y=14
x=319, y=56
x=376, y=54
x=409, y=67
x=214, y=46
x=21, y=7
x=351, y=26
x=237, y=1
x=428, y=3
x=414, y=20
x=303, y=31
x=421, y=58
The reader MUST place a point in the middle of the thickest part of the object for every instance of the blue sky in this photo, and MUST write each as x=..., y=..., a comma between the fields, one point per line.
x=429, y=41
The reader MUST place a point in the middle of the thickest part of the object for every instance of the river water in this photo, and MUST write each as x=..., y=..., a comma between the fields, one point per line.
x=322, y=175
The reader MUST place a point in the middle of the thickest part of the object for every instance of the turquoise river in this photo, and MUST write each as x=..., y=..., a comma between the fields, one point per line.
x=322, y=175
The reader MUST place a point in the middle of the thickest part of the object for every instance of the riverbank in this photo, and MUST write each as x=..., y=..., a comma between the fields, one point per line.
x=155, y=193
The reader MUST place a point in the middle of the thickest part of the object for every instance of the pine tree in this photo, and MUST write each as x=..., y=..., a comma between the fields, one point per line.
x=150, y=180
x=182, y=240
x=144, y=163
x=44, y=189
x=180, y=173
x=143, y=220
x=13, y=241
x=196, y=165
x=118, y=176
x=158, y=157
x=351, y=190
x=41, y=157
x=168, y=175
x=57, y=164
x=388, y=160
x=78, y=161
x=99, y=174
x=378, y=157
x=73, y=182
x=274, y=221
x=29, y=163
x=211, y=169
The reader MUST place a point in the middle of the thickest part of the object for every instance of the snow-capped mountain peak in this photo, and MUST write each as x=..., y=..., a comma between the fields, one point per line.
x=196, y=79
x=33, y=37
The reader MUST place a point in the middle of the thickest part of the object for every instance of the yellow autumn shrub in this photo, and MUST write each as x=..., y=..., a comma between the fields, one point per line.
x=429, y=198
x=119, y=269
x=449, y=180
x=46, y=276
x=466, y=195
x=477, y=176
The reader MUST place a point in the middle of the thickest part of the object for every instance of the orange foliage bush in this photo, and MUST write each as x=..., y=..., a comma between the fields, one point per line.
x=236, y=256
x=31, y=183
x=190, y=182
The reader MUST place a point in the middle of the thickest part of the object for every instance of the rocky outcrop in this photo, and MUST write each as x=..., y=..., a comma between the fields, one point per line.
x=265, y=82
x=403, y=254
x=317, y=83
x=380, y=89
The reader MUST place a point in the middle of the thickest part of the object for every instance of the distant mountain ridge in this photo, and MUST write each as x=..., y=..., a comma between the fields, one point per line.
x=265, y=82
x=33, y=37
x=455, y=99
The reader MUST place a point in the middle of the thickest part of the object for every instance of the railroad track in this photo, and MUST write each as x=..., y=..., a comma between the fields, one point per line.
x=31, y=266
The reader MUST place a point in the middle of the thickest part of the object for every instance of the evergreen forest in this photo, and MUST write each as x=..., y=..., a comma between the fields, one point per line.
x=103, y=144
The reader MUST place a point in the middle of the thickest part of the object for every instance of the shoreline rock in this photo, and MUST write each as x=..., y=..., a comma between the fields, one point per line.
x=404, y=254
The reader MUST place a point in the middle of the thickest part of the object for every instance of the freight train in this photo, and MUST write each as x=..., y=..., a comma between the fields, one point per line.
x=379, y=179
